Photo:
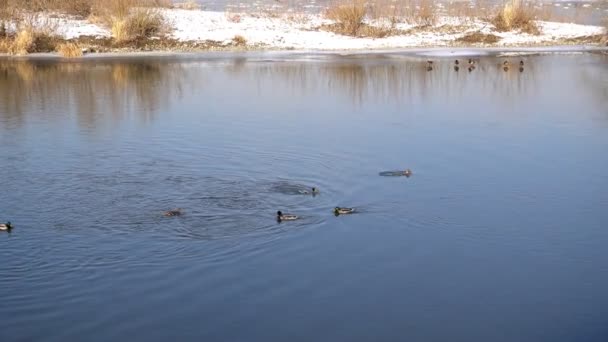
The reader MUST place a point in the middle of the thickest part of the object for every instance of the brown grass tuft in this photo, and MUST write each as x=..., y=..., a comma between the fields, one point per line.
x=188, y=5
x=3, y=30
x=515, y=16
x=348, y=16
x=69, y=50
x=5, y=45
x=479, y=38
x=141, y=23
x=239, y=40
x=23, y=43
x=426, y=14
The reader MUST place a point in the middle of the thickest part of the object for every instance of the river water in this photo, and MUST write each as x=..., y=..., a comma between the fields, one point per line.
x=499, y=234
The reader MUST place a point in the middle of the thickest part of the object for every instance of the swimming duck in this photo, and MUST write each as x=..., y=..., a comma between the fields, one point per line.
x=471, y=68
x=313, y=191
x=456, y=68
x=6, y=226
x=471, y=61
x=429, y=65
x=174, y=212
x=343, y=211
x=286, y=217
x=521, y=63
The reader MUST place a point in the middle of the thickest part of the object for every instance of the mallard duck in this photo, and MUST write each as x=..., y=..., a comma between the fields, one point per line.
x=521, y=63
x=471, y=61
x=471, y=68
x=286, y=217
x=6, y=226
x=313, y=191
x=456, y=62
x=521, y=69
x=456, y=68
x=174, y=212
x=343, y=211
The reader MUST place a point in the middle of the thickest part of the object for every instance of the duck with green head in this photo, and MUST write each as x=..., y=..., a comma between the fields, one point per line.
x=343, y=211
x=286, y=217
x=6, y=226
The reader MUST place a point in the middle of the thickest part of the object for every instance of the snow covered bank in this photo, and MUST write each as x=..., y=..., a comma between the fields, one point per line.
x=304, y=32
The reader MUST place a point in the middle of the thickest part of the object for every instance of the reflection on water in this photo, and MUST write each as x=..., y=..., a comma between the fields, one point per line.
x=89, y=89
x=499, y=235
x=116, y=89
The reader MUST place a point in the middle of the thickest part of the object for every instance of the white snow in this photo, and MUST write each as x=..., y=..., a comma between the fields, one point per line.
x=302, y=32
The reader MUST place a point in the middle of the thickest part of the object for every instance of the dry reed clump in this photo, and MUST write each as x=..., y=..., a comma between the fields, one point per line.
x=348, y=16
x=515, y=16
x=23, y=43
x=425, y=14
x=479, y=38
x=28, y=40
x=239, y=40
x=140, y=23
x=3, y=30
x=188, y=5
x=69, y=50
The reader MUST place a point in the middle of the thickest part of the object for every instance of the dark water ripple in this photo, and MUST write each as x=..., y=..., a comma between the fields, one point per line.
x=498, y=235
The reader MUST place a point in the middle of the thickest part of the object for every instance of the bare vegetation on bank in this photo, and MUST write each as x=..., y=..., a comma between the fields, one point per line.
x=69, y=50
x=516, y=16
x=128, y=20
x=348, y=16
x=479, y=38
x=239, y=40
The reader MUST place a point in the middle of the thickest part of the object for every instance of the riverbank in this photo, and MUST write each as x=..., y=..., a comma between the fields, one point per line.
x=199, y=30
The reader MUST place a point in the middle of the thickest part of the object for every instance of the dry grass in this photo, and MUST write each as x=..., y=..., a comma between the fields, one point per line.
x=23, y=43
x=69, y=50
x=239, y=40
x=478, y=38
x=140, y=23
x=348, y=16
x=5, y=45
x=188, y=5
x=426, y=14
x=516, y=16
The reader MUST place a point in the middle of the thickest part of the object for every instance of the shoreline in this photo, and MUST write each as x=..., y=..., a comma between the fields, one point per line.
x=264, y=55
x=199, y=31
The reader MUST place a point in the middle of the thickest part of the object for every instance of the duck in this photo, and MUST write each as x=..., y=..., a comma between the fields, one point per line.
x=313, y=191
x=407, y=172
x=286, y=217
x=471, y=68
x=521, y=63
x=6, y=226
x=471, y=61
x=456, y=68
x=343, y=211
x=173, y=212
x=456, y=62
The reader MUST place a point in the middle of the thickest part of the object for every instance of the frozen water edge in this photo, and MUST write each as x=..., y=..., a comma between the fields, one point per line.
x=325, y=55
